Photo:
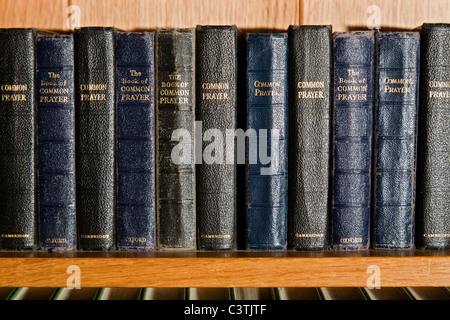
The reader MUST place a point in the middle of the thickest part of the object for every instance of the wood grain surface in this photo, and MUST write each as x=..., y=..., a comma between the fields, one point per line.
x=263, y=15
x=232, y=269
x=347, y=15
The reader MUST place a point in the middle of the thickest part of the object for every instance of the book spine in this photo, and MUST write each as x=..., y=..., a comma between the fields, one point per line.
x=55, y=134
x=18, y=172
x=216, y=108
x=136, y=225
x=352, y=139
x=395, y=134
x=267, y=116
x=95, y=137
x=310, y=112
x=433, y=197
x=175, y=93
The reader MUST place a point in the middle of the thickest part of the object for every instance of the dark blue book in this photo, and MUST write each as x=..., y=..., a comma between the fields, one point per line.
x=267, y=126
x=352, y=139
x=56, y=129
x=395, y=136
x=135, y=140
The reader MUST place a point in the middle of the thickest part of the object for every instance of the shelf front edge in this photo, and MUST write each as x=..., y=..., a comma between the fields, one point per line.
x=226, y=272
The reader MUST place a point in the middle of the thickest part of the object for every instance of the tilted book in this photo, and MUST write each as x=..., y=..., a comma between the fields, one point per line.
x=136, y=227
x=215, y=157
x=18, y=163
x=352, y=138
x=56, y=138
x=395, y=139
x=95, y=137
x=433, y=173
x=175, y=111
x=310, y=111
x=267, y=128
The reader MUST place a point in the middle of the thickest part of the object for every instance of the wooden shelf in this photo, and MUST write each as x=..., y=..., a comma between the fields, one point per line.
x=226, y=269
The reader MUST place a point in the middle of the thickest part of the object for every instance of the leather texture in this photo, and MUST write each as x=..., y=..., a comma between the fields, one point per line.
x=352, y=138
x=18, y=172
x=395, y=139
x=433, y=198
x=267, y=109
x=136, y=217
x=56, y=130
x=95, y=138
x=175, y=93
x=216, y=67
x=310, y=111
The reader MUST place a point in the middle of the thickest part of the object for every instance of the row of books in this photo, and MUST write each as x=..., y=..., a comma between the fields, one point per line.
x=212, y=138
x=221, y=294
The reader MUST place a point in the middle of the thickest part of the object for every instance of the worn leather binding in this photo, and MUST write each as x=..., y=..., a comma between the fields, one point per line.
x=136, y=216
x=310, y=111
x=216, y=107
x=95, y=137
x=18, y=172
x=352, y=138
x=395, y=139
x=433, y=197
x=56, y=130
x=267, y=109
x=175, y=94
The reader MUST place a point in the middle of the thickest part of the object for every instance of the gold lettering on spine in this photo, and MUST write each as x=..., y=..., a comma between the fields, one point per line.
x=309, y=235
x=215, y=95
x=55, y=240
x=93, y=96
x=54, y=90
x=351, y=240
x=136, y=239
x=215, y=236
x=389, y=85
x=14, y=88
x=445, y=94
x=354, y=88
x=15, y=235
x=95, y=236
x=174, y=91
x=264, y=92
x=310, y=94
x=135, y=89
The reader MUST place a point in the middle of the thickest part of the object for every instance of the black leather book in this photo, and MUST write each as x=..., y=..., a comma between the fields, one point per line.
x=311, y=79
x=175, y=93
x=18, y=172
x=95, y=138
x=433, y=172
x=215, y=156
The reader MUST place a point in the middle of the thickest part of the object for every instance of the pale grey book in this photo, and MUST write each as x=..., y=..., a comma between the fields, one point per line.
x=292, y=293
x=75, y=294
x=387, y=293
x=253, y=293
x=209, y=294
x=31, y=293
x=118, y=294
x=337, y=293
x=163, y=294
x=429, y=293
